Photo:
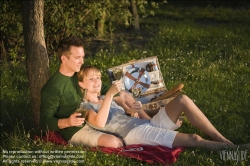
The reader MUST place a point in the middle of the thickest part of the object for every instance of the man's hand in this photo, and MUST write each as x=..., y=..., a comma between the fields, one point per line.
x=75, y=120
x=134, y=114
x=71, y=121
x=137, y=106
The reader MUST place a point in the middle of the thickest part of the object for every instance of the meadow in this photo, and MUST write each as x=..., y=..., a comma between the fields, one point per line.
x=205, y=48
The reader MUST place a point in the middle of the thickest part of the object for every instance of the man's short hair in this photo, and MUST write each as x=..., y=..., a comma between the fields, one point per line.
x=66, y=43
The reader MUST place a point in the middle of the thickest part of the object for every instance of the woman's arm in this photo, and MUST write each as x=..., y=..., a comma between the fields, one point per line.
x=92, y=119
x=99, y=119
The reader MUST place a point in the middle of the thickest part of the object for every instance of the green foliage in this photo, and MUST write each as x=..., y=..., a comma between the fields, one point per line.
x=15, y=104
x=10, y=15
x=10, y=27
x=144, y=9
x=207, y=13
x=68, y=18
x=79, y=17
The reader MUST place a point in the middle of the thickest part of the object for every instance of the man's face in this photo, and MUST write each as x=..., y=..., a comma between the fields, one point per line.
x=75, y=59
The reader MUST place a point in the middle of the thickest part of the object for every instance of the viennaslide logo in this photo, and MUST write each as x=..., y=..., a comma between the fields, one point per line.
x=236, y=155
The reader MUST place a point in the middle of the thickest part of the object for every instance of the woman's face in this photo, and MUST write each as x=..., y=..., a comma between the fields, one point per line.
x=92, y=81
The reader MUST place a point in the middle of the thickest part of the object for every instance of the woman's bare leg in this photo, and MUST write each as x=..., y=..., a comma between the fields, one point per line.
x=183, y=103
x=194, y=140
x=108, y=140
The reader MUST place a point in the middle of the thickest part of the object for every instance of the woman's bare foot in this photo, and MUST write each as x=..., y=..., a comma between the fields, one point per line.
x=222, y=139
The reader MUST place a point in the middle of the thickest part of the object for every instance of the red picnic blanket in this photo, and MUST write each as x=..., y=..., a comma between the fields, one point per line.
x=148, y=153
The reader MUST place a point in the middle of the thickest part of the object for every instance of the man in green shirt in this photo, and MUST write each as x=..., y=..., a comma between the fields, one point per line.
x=60, y=96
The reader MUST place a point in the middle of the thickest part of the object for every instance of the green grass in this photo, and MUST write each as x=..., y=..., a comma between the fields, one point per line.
x=206, y=49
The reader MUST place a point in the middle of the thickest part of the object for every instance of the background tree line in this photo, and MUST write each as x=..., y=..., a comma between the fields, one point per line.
x=82, y=18
x=85, y=18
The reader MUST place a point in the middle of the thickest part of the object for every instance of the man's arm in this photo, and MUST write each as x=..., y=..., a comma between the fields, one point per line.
x=122, y=101
x=73, y=120
x=49, y=106
x=126, y=101
x=48, y=120
x=137, y=107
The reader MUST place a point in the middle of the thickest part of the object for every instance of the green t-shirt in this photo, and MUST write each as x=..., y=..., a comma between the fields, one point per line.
x=59, y=99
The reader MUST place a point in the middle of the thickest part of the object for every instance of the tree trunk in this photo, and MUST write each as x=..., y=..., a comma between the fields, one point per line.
x=36, y=54
x=135, y=15
x=100, y=25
